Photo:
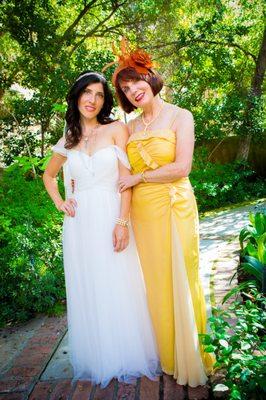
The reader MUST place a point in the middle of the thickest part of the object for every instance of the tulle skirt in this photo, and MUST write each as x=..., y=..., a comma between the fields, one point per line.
x=110, y=331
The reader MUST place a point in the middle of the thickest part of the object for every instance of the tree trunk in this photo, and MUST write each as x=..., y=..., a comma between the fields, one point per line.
x=44, y=128
x=254, y=94
x=42, y=139
x=2, y=92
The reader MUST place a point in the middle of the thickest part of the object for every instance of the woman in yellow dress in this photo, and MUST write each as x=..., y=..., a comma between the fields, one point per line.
x=164, y=217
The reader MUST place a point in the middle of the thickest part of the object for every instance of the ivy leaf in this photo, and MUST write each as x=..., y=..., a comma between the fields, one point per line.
x=223, y=343
x=227, y=350
x=220, y=387
x=245, y=346
x=235, y=368
x=210, y=349
x=238, y=356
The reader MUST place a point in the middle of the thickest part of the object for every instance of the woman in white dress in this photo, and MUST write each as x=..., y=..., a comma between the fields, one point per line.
x=110, y=331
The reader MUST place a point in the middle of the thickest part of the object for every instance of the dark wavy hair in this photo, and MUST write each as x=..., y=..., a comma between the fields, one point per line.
x=153, y=78
x=73, y=128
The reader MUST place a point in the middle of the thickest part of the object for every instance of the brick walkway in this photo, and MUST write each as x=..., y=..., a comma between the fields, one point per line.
x=22, y=374
x=21, y=380
x=26, y=359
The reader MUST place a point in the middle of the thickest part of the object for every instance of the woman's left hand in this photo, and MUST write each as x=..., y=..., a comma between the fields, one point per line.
x=120, y=238
x=128, y=181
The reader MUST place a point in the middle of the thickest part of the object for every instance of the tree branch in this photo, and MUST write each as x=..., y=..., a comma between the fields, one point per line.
x=211, y=42
x=75, y=23
x=110, y=29
x=24, y=140
x=94, y=30
x=259, y=73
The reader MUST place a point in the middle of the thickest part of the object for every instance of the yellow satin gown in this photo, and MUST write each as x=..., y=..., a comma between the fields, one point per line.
x=165, y=222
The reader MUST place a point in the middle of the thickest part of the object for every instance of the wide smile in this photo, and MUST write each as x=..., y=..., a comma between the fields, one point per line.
x=139, y=97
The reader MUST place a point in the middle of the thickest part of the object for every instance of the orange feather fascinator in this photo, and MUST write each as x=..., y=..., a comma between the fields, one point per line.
x=138, y=59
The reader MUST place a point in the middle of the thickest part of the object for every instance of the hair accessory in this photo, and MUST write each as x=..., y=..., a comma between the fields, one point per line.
x=138, y=59
x=89, y=73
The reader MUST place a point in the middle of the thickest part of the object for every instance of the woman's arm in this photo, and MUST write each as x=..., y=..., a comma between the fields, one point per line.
x=50, y=183
x=181, y=167
x=120, y=234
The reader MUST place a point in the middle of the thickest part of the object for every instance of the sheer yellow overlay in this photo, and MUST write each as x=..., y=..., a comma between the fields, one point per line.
x=165, y=222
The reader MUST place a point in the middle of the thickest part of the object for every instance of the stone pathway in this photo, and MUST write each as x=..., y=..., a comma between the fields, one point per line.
x=34, y=356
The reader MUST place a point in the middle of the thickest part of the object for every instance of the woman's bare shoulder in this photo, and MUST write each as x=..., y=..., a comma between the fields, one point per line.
x=180, y=116
x=179, y=112
x=119, y=131
x=115, y=126
x=132, y=123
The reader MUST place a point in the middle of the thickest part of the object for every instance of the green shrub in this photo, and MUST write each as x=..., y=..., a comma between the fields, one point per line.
x=237, y=337
x=218, y=185
x=31, y=273
x=253, y=251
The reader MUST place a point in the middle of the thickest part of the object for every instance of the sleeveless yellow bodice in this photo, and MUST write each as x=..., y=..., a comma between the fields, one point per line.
x=151, y=149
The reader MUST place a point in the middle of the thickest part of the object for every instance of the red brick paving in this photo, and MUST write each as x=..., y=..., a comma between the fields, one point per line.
x=12, y=396
x=15, y=385
x=149, y=389
x=172, y=391
x=23, y=371
x=201, y=392
x=62, y=390
x=126, y=391
x=27, y=366
x=106, y=393
x=42, y=390
x=21, y=381
x=82, y=391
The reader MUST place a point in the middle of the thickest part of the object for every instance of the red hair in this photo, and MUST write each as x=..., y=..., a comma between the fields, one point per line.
x=130, y=74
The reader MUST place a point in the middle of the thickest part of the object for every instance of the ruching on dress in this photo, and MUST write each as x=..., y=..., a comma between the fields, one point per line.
x=146, y=157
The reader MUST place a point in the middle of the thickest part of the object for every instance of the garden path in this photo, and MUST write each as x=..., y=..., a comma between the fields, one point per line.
x=34, y=356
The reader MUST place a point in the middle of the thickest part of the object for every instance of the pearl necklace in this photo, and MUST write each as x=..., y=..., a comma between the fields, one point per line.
x=146, y=124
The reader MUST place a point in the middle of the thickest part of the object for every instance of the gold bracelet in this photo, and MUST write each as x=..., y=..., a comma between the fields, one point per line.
x=143, y=178
x=122, y=222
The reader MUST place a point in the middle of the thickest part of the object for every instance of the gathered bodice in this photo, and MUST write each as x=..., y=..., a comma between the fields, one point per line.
x=99, y=170
x=151, y=149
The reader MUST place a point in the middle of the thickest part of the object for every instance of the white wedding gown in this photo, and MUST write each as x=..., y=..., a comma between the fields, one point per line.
x=110, y=331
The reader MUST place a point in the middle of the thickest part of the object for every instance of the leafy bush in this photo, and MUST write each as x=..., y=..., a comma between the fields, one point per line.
x=31, y=274
x=218, y=185
x=237, y=337
x=253, y=251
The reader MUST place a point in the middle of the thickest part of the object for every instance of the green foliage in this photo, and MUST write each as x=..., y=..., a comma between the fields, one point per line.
x=218, y=185
x=237, y=337
x=210, y=64
x=38, y=120
x=253, y=250
x=45, y=46
x=209, y=47
x=31, y=274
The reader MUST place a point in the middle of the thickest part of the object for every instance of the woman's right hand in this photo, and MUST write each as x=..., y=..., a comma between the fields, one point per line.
x=68, y=207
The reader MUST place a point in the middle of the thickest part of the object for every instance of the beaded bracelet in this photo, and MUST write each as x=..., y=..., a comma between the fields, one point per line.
x=143, y=178
x=122, y=222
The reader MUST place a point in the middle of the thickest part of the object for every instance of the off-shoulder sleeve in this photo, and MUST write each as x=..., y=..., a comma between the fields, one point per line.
x=59, y=147
x=121, y=155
